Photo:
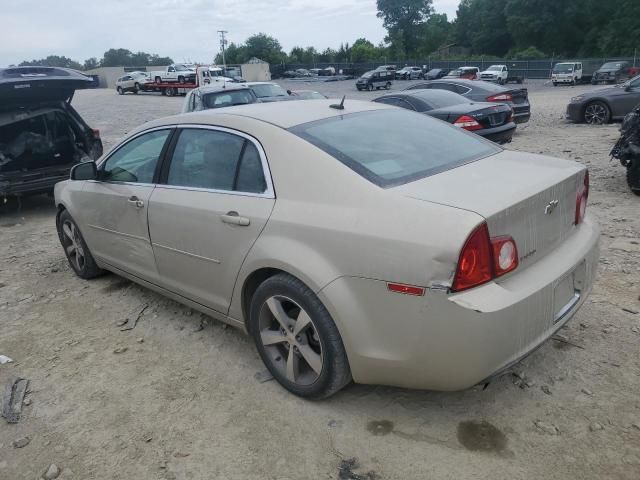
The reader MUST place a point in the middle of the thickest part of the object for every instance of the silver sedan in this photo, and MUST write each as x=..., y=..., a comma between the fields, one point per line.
x=367, y=243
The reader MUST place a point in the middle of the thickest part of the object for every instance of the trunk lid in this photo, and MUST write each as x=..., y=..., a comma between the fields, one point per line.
x=530, y=197
x=29, y=86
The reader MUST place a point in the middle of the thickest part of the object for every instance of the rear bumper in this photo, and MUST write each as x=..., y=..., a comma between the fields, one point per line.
x=446, y=341
x=18, y=186
x=521, y=117
x=502, y=134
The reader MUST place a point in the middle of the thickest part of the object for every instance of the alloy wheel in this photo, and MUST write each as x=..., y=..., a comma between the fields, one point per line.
x=595, y=114
x=290, y=339
x=73, y=245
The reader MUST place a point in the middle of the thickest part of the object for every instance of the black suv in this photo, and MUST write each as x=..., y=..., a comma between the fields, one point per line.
x=612, y=72
x=376, y=79
x=41, y=135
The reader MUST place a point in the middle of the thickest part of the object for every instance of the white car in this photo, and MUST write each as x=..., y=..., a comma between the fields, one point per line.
x=132, y=82
x=495, y=73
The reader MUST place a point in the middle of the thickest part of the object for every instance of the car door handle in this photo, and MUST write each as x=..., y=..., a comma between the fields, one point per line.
x=233, y=218
x=136, y=202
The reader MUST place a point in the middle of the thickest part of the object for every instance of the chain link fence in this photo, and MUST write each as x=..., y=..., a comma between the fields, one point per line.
x=524, y=68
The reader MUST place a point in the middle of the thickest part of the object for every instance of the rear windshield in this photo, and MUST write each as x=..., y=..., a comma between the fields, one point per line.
x=227, y=99
x=393, y=147
x=440, y=98
x=269, y=90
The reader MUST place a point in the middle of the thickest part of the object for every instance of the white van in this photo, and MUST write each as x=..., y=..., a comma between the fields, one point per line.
x=566, y=72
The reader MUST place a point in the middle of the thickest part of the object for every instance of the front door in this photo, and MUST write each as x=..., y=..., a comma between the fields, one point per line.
x=114, y=211
x=213, y=201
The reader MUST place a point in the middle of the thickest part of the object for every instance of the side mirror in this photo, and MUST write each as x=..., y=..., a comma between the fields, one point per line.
x=84, y=171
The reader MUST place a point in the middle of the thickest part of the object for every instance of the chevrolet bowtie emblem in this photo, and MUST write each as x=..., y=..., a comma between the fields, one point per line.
x=551, y=206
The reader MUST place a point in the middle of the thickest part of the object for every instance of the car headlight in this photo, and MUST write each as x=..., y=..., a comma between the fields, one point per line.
x=579, y=98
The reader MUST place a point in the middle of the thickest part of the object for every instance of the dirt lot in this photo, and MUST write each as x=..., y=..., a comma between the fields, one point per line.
x=182, y=402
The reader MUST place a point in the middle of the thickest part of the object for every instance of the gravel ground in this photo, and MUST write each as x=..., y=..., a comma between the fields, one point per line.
x=180, y=401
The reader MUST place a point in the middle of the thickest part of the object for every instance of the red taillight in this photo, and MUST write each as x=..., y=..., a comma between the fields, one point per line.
x=482, y=259
x=468, y=123
x=96, y=132
x=581, y=199
x=502, y=97
x=475, y=264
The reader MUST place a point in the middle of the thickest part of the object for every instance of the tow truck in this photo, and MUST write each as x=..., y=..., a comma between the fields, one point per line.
x=172, y=89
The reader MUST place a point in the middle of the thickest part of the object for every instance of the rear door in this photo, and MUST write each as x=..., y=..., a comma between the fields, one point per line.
x=114, y=207
x=214, y=200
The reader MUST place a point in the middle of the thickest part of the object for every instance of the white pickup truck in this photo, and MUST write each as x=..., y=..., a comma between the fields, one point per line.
x=178, y=72
x=499, y=74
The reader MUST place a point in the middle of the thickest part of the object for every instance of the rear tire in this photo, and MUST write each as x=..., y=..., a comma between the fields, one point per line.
x=297, y=339
x=388, y=85
x=633, y=176
x=180, y=79
x=120, y=91
x=76, y=250
x=597, y=113
x=158, y=80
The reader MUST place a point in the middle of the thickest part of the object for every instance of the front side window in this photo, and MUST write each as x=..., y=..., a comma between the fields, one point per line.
x=216, y=160
x=136, y=161
x=393, y=146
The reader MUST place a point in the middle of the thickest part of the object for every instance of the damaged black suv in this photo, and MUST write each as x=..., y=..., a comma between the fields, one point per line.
x=41, y=135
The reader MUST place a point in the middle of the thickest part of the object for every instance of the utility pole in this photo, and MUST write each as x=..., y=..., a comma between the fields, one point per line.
x=223, y=42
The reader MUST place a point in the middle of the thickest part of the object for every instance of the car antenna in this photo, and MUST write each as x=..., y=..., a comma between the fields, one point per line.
x=339, y=106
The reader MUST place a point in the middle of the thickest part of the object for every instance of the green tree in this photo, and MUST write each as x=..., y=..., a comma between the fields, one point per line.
x=91, y=63
x=53, y=61
x=263, y=47
x=403, y=19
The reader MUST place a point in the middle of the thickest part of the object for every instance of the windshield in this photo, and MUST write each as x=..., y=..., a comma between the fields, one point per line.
x=563, y=68
x=392, y=147
x=494, y=68
x=228, y=99
x=269, y=90
x=367, y=75
x=611, y=66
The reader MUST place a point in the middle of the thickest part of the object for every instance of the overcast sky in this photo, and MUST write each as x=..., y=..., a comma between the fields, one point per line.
x=181, y=29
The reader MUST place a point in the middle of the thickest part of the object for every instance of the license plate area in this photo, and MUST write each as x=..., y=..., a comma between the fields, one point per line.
x=567, y=292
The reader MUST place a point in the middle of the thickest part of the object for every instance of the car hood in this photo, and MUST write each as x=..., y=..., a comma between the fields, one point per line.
x=603, y=92
x=27, y=86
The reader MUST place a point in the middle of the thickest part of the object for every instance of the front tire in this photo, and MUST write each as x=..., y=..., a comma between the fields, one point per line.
x=297, y=339
x=120, y=91
x=388, y=85
x=633, y=176
x=597, y=113
x=76, y=250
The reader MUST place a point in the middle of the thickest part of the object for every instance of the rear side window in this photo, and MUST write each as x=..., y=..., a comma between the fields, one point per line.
x=216, y=160
x=393, y=147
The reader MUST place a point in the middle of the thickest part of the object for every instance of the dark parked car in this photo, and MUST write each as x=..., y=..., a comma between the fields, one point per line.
x=612, y=72
x=489, y=120
x=435, y=73
x=480, y=91
x=41, y=134
x=375, y=79
x=602, y=106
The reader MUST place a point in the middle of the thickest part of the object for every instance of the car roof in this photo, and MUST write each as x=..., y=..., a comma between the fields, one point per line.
x=281, y=114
